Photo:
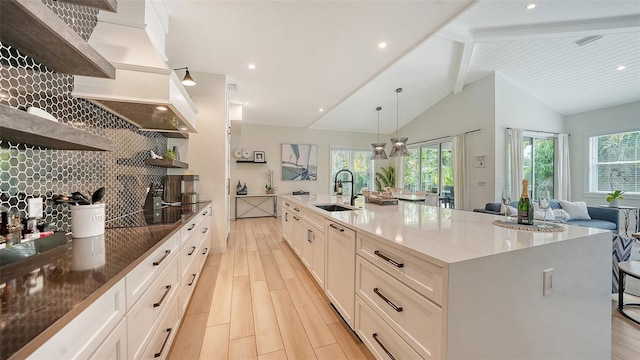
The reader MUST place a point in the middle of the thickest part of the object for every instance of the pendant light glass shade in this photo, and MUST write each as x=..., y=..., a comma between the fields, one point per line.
x=378, y=148
x=399, y=144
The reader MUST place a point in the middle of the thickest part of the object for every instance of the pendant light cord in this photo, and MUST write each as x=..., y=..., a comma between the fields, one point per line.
x=398, y=91
x=378, y=110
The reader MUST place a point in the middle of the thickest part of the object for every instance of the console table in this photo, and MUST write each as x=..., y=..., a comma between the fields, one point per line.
x=252, y=206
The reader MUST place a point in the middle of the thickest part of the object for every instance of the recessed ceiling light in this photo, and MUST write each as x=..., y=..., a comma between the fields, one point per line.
x=531, y=6
x=621, y=67
x=162, y=108
x=321, y=109
x=252, y=66
x=382, y=45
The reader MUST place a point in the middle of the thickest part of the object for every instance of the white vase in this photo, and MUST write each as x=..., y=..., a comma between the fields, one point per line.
x=614, y=203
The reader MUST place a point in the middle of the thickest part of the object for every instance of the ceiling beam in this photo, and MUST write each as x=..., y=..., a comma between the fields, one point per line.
x=463, y=66
x=614, y=25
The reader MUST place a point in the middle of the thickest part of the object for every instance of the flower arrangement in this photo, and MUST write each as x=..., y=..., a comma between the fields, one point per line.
x=617, y=194
x=270, y=188
x=616, y=176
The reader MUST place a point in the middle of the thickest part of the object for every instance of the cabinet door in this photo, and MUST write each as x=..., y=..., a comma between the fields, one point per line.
x=114, y=347
x=306, y=251
x=287, y=226
x=318, y=258
x=340, y=282
x=299, y=234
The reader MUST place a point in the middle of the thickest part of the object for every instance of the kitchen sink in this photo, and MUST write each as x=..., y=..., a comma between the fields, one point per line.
x=333, y=207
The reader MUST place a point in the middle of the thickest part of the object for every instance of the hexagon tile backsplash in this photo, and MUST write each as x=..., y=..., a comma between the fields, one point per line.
x=28, y=171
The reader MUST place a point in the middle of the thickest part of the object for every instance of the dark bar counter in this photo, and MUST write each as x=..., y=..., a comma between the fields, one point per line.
x=46, y=283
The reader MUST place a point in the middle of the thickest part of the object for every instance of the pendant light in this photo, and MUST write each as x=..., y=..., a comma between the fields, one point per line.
x=378, y=148
x=399, y=144
x=187, y=80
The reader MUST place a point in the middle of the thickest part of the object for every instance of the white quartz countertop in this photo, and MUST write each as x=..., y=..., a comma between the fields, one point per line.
x=438, y=234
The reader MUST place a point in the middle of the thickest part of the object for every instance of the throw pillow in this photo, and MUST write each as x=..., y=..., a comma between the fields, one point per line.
x=561, y=215
x=576, y=210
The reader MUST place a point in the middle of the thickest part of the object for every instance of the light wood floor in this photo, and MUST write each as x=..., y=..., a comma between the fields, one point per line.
x=256, y=301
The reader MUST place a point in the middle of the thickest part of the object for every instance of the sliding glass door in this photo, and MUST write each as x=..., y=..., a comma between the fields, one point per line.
x=429, y=168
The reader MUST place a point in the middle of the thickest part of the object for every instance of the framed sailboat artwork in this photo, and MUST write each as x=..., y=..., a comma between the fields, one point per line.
x=299, y=162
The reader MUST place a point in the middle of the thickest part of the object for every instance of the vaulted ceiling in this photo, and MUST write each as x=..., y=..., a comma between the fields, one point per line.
x=310, y=55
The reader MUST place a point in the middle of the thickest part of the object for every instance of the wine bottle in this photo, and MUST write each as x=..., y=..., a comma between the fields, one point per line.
x=525, y=207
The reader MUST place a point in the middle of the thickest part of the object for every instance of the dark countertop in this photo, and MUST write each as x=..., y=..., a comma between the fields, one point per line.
x=41, y=294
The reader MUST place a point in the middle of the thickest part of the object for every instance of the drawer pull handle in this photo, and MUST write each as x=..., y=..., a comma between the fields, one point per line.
x=396, y=308
x=296, y=218
x=193, y=249
x=166, y=253
x=286, y=216
x=287, y=204
x=168, y=288
x=390, y=261
x=164, y=343
x=205, y=213
x=192, y=279
x=205, y=251
x=375, y=337
x=191, y=227
x=296, y=209
x=309, y=235
x=205, y=230
x=337, y=228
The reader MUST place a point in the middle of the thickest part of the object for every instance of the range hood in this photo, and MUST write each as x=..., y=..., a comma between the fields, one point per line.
x=145, y=92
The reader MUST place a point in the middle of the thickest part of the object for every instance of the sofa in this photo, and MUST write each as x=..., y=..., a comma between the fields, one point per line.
x=601, y=217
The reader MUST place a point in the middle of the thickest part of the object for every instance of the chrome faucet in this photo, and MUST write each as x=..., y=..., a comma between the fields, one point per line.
x=335, y=185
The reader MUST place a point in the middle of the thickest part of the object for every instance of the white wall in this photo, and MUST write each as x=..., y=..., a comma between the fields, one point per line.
x=517, y=108
x=470, y=109
x=205, y=151
x=270, y=139
x=615, y=119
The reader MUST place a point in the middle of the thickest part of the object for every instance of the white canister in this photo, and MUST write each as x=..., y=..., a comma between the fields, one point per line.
x=87, y=253
x=87, y=220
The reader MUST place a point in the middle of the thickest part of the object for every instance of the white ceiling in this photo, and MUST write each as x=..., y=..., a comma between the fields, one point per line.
x=313, y=54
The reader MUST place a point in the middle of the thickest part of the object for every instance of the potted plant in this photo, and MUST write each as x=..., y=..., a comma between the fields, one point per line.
x=269, y=187
x=386, y=177
x=614, y=198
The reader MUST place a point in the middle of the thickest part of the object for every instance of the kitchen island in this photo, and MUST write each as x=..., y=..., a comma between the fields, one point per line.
x=417, y=281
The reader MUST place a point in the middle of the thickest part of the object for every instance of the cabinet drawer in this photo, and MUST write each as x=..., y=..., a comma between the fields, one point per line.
x=188, y=253
x=422, y=276
x=114, y=346
x=163, y=336
x=381, y=340
x=203, y=247
x=190, y=229
x=141, y=276
x=84, y=334
x=417, y=320
x=188, y=284
x=148, y=310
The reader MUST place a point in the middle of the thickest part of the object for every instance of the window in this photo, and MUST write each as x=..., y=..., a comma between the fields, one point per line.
x=538, y=163
x=615, y=162
x=427, y=166
x=358, y=162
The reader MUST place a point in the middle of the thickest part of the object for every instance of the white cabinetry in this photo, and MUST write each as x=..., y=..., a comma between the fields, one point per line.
x=313, y=251
x=399, y=298
x=83, y=335
x=114, y=346
x=339, y=287
x=287, y=224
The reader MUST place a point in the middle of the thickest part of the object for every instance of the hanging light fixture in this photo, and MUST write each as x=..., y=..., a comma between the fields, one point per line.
x=378, y=148
x=187, y=80
x=399, y=144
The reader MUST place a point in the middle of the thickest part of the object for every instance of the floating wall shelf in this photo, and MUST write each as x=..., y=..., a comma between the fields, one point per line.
x=250, y=162
x=17, y=126
x=166, y=163
x=32, y=28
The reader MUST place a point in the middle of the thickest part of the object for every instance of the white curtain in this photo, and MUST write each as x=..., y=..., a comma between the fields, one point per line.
x=563, y=176
x=516, y=157
x=460, y=174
